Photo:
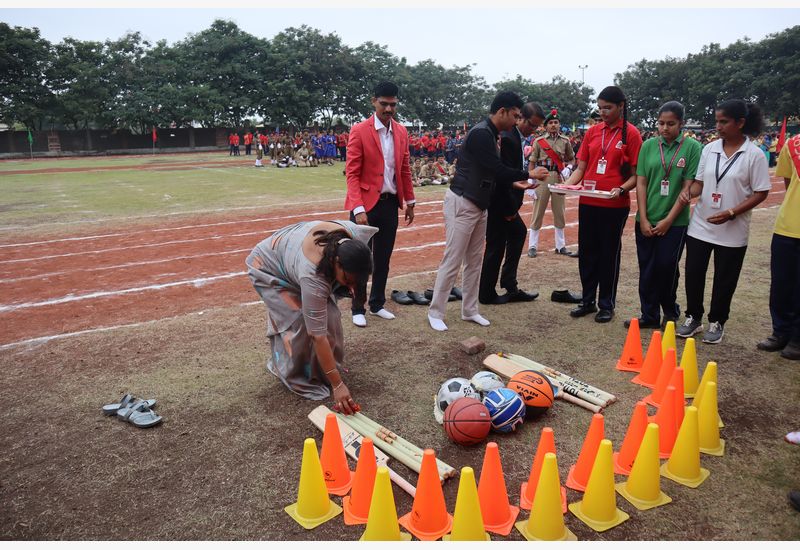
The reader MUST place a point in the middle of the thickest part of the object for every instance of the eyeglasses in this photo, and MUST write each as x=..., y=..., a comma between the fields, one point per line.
x=387, y=103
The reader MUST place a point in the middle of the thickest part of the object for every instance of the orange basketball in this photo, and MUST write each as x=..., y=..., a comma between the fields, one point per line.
x=535, y=389
x=467, y=421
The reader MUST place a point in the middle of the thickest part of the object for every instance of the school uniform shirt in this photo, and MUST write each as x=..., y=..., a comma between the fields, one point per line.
x=684, y=167
x=615, y=154
x=788, y=221
x=748, y=174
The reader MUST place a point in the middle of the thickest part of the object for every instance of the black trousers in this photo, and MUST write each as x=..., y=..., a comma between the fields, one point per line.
x=727, y=266
x=600, y=244
x=504, y=238
x=383, y=216
x=784, y=288
x=659, y=273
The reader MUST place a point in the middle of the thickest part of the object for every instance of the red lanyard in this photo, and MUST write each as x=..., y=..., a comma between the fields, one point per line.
x=668, y=169
x=603, y=148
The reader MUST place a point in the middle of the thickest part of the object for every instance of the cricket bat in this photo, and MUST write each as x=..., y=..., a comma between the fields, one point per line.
x=351, y=440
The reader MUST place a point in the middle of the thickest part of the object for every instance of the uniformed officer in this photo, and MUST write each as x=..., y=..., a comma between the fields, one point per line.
x=554, y=152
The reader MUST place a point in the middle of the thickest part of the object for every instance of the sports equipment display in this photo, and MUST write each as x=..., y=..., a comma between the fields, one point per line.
x=467, y=421
x=486, y=381
x=449, y=391
x=535, y=389
x=506, y=409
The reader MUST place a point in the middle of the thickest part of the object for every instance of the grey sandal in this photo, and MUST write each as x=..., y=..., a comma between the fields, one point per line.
x=140, y=415
x=127, y=400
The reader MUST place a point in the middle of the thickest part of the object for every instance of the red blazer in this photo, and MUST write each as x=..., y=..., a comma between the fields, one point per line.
x=364, y=166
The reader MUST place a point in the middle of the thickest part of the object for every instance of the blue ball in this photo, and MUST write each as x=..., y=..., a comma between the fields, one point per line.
x=506, y=408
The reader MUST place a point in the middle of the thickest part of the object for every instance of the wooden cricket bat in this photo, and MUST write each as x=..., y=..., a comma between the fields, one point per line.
x=507, y=368
x=351, y=440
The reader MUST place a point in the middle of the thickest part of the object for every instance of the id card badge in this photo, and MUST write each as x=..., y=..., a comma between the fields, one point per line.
x=716, y=200
x=664, y=188
x=601, y=166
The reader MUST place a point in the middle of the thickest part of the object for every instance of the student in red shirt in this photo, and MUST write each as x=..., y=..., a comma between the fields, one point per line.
x=248, y=142
x=606, y=162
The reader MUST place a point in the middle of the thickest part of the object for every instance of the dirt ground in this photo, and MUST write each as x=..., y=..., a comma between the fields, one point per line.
x=226, y=460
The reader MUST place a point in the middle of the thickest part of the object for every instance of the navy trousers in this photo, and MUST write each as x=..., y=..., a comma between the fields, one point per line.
x=659, y=273
x=784, y=288
x=600, y=243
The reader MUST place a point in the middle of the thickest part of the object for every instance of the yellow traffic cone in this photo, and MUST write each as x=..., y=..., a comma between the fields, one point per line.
x=382, y=522
x=467, y=518
x=643, y=487
x=710, y=443
x=709, y=375
x=668, y=340
x=547, y=520
x=683, y=465
x=598, y=509
x=689, y=366
x=313, y=507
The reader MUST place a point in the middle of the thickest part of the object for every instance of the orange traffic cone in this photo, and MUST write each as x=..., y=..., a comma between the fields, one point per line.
x=547, y=520
x=313, y=506
x=631, y=358
x=684, y=465
x=623, y=460
x=665, y=418
x=709, y=375
x=598, y=509
x=710, y=443
x=689, y=366
x=579, y=473
x=652, y=363
x=356, y=506
x=680, y=402
x=338, y=477
x=428, y=518
x=664, y=376
x=498, y=514
x=547, y=444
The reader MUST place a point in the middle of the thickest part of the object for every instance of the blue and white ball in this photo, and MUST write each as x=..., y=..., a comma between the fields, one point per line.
x=506, y=409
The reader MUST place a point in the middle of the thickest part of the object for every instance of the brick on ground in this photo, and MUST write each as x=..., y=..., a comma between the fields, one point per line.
x=472, y=345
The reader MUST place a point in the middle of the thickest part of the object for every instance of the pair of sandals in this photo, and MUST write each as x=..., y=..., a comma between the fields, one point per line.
x=409, y=297
x=135, y=411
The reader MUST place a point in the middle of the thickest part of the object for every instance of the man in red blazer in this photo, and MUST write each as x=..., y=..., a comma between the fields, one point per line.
x=378, y=184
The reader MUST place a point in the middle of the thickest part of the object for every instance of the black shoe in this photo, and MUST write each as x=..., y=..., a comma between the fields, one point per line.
x=566, y=297
x=564, y=252
x=521, y=296
x=455, y=291
x=401, y=298
x=604, y=316
x=643, y=324
x=773, y=343
x=583, y=309
x=667, y=320
x=495, y=300
x=791, y=351
x=429, y=295
x=418, y=298
x=794, y=499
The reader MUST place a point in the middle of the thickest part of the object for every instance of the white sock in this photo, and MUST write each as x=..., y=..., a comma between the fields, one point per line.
x=437, y=324
x=477, y=318
x=534, y=239
x=560, y=240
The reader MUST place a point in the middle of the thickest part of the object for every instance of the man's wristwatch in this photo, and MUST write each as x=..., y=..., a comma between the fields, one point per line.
x=731, y=213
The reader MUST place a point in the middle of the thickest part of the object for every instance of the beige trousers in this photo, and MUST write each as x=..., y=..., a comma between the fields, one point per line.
x=557, y=206
x=465, y=238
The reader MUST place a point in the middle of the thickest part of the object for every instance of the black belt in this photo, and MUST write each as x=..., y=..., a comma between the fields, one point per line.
x=384, y=196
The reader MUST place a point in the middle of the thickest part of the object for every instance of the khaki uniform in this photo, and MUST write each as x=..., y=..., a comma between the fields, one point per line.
x=539, y=157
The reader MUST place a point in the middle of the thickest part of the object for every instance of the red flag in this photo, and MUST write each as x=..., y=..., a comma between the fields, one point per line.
x=155, y=135
x=781, y=137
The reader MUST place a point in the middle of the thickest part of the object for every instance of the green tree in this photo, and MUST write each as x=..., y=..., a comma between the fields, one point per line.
x=24, y=59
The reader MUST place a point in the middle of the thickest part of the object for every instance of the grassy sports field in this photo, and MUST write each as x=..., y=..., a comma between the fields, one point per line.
x=226, y=460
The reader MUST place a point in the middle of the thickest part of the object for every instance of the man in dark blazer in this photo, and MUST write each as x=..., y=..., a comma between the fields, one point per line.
x=378, y=184
x=505, y=230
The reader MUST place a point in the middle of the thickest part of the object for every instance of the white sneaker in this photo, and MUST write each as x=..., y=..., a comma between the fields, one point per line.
x=482, y=321
x=793, y=437
x=437, y=324
x=383, y=314
x=359, y=320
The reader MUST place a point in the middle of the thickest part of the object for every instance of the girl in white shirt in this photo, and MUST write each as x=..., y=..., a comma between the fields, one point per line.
x=732, y=178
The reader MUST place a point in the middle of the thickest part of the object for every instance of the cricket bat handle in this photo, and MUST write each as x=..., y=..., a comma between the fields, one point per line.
x=576, y=391
x=402, y=483
x=580, y=402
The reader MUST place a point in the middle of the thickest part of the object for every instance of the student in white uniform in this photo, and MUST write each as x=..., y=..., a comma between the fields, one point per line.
x=732, y=178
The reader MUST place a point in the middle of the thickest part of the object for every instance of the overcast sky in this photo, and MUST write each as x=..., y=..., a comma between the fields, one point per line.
x=536, y=43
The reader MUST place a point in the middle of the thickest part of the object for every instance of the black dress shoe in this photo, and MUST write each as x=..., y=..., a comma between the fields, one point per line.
x=455, y=291
x=429, y=295
x=643, y=323
x=496, y=300
x=566, y=297
x=583, y=309
x=418, y=298
x=791, y=351
x=772, y=343
x=401, y=297
x=521, y=296
x=604, y=316
x=564, y=252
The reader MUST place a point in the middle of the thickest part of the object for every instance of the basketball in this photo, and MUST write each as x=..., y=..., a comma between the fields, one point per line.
x=535, y=389
x=467, y=421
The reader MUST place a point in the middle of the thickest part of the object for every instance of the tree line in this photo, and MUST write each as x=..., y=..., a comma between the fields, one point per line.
x=224, y=76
